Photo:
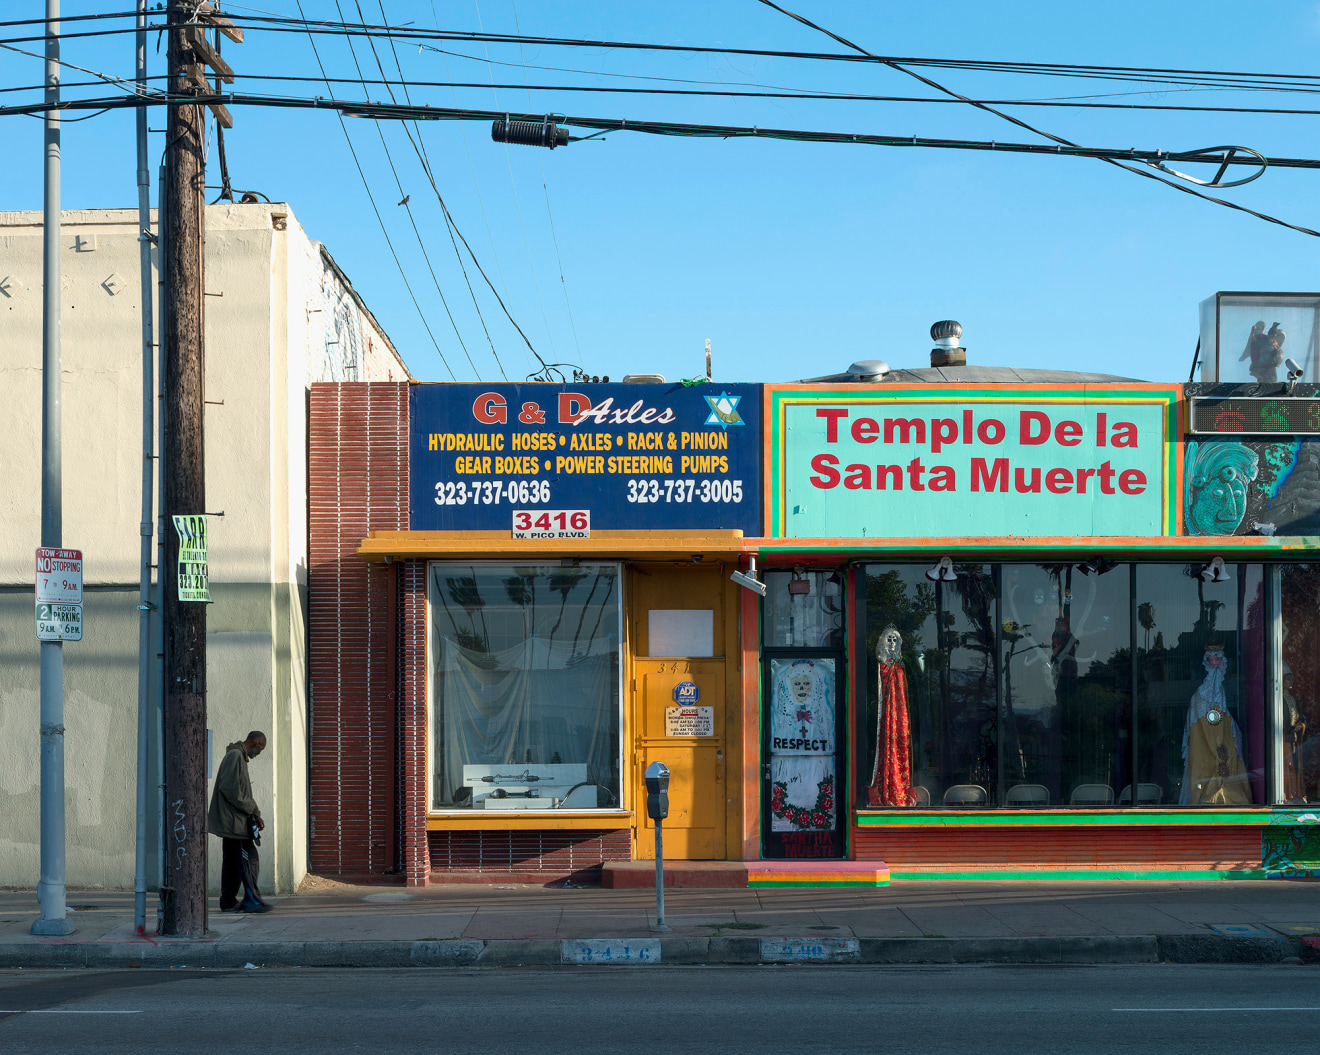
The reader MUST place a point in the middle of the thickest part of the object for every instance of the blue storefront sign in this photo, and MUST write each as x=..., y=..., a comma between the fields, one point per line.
x=544, y=459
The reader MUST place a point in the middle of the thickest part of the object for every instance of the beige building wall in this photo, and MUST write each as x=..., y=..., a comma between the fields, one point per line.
x=279, y=315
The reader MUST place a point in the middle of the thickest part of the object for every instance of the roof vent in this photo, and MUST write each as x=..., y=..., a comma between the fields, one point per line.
x=946, y=352
x=644, y=379
x=868, y=370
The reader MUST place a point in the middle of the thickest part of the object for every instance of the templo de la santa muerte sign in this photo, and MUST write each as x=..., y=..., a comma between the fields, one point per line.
x=555, y=460
x=892, y=461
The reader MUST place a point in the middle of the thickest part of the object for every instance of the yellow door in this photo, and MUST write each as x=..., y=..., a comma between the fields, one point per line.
x=683, y=609
x=694, y=829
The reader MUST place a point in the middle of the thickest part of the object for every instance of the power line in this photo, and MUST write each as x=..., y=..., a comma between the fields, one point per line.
x=419, y=148
x=380, y=220
x=1059, y=140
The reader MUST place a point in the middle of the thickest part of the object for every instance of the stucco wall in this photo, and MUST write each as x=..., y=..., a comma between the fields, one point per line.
x=277, y=312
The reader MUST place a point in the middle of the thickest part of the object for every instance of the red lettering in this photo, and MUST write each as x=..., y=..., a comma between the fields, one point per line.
x=825, y=465
x=1106, y=478
x=967, y=426
x=992, y=481
x=943, y=431
x=831, y=416
x=1125, y=434
x=858, y=478
x=941, y=478
x=889, y=474
x=1021, y=485
x=1068, y=433
x=991, y=431
x=906, y=428
x=1100, y=438
x=1058, y=481
x=1082, y=475
x=1132, y=481
x=1034, y=428
x=490, y=409
x=915, y=469
x=865, y=430
x=572, y=406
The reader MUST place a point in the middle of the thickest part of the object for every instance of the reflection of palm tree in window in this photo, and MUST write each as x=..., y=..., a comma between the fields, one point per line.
x=465, y=594
x=1146, y=617
x=564, y=583
x=586, y=606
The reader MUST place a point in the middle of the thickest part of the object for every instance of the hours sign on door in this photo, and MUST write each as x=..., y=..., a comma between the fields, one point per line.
x=59, y=583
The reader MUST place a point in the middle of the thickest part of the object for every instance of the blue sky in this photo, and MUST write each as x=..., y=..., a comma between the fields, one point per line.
x=626, y=253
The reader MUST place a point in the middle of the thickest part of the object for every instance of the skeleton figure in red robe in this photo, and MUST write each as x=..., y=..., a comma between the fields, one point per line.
x=891, y=775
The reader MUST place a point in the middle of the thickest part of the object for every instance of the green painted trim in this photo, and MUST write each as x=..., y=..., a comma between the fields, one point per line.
x=1096, y=874
x=788, y=883
x=1063, y=818
x=1166, y=396
x=1245, y=548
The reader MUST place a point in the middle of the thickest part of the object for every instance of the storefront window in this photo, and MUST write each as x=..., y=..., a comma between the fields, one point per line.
x=932, y=675
x=803, y=609
x=1299, y=717
x=1201, y=705
x=1067, y=677
x=525, y=700
x=1011, y=685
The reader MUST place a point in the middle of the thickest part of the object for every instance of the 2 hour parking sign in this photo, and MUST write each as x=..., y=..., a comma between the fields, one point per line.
x=59, y=583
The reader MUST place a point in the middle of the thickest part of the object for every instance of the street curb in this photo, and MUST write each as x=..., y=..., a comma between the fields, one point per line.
x=715, y=950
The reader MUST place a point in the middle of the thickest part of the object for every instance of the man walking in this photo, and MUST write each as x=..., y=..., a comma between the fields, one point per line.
x=236, y=820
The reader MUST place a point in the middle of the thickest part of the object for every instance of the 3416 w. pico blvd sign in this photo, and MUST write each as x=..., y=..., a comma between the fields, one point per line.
x=920, y=461
x=623, y=456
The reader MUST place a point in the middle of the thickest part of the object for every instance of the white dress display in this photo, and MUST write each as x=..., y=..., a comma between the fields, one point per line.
x=802, y=735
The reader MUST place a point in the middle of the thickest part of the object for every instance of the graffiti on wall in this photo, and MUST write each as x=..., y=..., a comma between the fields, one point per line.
x=1290, y=845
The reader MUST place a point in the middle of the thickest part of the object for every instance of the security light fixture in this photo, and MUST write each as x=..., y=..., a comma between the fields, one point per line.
x=748, y=580
x=943, y=571
x=799, y=584
x=1215, y=571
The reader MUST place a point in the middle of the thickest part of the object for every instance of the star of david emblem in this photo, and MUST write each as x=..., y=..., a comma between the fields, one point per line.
x=723, y=410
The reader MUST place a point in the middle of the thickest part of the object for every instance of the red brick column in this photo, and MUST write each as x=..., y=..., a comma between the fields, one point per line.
x=357, y=481
x=416, y=861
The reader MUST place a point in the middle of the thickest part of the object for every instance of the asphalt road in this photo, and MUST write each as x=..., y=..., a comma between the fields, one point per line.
x=985, y=1009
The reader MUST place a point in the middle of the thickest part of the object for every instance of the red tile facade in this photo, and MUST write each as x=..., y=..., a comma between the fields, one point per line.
x=357, y=482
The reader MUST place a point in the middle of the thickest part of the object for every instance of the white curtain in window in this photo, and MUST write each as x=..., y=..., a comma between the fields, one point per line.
x=535, y=698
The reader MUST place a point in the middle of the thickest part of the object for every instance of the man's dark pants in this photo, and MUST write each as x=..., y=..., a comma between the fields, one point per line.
x=239, y=867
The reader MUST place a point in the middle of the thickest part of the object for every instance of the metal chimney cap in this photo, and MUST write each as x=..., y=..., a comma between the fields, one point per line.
x=946, y=332
x=868, y=370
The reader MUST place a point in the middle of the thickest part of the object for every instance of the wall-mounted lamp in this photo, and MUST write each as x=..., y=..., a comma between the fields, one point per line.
x=1097, y=566
x=748, y=580
x=799, y=584
x=943, y=571
x=1215, y=571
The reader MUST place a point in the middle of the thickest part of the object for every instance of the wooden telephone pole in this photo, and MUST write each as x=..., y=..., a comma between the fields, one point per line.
x=183, y=887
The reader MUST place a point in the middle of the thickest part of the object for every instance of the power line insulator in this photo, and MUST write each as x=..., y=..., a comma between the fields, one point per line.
x=529, y=133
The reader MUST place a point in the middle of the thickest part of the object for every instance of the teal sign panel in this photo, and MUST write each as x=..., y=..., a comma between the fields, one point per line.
x=922, y=463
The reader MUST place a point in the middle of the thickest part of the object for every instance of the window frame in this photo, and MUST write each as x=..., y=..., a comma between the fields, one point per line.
x=522, y=818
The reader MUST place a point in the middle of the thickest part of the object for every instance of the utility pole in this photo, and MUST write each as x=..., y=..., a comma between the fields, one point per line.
x=183, y=887
x=51, y=886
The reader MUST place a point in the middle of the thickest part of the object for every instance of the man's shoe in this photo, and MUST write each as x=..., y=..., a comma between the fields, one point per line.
x=254, y=906
x=229, y=908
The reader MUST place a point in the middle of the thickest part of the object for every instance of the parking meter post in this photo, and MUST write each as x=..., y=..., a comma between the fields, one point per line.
x=657, y=808
x=659, y=877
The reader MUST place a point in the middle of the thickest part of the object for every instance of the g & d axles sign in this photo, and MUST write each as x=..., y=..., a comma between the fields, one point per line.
x=911, y=462
x=546, y=460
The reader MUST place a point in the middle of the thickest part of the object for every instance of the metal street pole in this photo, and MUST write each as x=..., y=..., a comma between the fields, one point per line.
x=148, y=468
x=50, y=888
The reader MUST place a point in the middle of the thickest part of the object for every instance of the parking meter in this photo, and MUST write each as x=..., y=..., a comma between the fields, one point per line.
x=657, y=808
x=657, y=791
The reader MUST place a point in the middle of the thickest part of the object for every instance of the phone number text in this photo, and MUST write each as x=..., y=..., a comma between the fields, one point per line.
x=491, y=492
x=645, y=492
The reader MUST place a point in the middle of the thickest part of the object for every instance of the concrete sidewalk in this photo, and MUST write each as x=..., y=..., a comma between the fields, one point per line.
x=329, y=924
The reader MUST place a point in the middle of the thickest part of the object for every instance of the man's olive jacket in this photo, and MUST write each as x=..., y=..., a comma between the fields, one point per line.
x=231, y=802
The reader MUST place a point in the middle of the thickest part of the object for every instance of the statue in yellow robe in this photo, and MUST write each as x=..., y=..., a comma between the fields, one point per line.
x=1213, y=770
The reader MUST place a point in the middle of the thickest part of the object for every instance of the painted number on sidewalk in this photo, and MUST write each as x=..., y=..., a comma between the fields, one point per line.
x=788, y=950
x=610, y=951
